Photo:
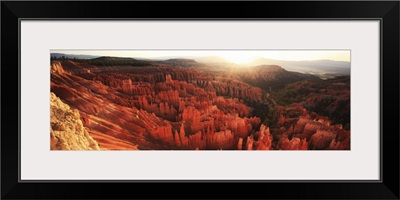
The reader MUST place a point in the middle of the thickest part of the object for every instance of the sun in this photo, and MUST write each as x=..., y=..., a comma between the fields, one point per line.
x=237, y=57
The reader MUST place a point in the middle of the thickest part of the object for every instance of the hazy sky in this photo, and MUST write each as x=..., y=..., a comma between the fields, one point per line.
x=236, y=56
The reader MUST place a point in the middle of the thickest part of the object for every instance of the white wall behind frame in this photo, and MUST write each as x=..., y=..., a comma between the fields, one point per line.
x=39, y=163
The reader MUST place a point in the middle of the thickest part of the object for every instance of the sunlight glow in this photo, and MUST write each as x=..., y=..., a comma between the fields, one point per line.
x=235, y=56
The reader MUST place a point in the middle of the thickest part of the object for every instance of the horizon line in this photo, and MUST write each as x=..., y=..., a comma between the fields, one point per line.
x=193, y=57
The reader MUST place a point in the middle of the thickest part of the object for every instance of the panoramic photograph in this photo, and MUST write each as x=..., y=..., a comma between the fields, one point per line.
x=200, y=100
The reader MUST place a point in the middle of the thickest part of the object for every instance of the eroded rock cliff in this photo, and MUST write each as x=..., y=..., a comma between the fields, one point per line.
x=66, y=128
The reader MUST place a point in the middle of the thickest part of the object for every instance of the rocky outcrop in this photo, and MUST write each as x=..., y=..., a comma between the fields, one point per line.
x=299, y=129
x=294, y=144
x=191, y=119
x=322, y=139
x=240, y=144
x=66, y=128
x=264, y=141
x=236, y=89
x=56, y=68
x=328, y=97
x=249, y=143
x=260, y=140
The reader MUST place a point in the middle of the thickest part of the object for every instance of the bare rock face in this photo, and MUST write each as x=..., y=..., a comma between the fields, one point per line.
x=322, y=139
x=66, y=130
x=240, y=144
x=235, y=89
x=56, y=68
x=249, y=144
x=294, y=144
x=264, y=141
x=303, y=130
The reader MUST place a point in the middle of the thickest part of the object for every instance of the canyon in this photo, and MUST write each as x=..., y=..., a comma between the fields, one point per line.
x=180, y=104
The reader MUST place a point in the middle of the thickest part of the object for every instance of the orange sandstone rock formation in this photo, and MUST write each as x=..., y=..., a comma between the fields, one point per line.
x=66, y=128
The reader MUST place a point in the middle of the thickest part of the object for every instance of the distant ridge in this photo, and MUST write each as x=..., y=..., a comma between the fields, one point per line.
x=180, y=60
x=183, y=62
x=113, y=58
x=317, y=67
x=72, y=56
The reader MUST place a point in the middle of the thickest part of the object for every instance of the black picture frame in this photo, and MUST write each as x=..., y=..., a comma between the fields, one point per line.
x=386, y=11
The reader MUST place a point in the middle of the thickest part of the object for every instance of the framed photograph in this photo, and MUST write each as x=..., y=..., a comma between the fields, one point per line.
x=298, y=99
